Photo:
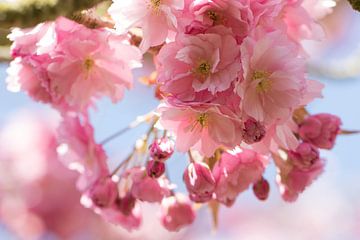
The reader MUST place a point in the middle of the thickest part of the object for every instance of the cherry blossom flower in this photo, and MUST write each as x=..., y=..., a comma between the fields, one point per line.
x=274, y=78
x=197, y=63
x=235, y=172
x=202, y=128
x=261, y=189
x=155, y=17
x=161, y=149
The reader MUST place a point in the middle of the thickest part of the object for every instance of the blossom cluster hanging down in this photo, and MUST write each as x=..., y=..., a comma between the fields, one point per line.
x=232, y=85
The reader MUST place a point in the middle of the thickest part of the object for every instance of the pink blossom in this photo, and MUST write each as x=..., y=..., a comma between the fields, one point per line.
x=299, y=171
x=253, y=131
x=274, y=77
x=203, y=62
x=79, y=151
x=155, y=17
x=202, y=128
x=162, y=149
x=146, y=188
x=199, y=182
x=235, y=172
x=220, y=12
x=177, y=213
x=87, y=59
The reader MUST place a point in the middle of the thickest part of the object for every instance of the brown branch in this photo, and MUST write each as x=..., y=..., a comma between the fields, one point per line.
x=355, y=4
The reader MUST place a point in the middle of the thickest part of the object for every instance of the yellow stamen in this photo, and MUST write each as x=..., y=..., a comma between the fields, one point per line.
x=214, y=16
x=89, y=63
x=203, y=70
x=155, y=5
x=202, y=119
x=264, y=84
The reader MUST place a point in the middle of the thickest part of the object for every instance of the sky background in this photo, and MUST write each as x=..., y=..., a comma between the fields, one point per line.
x=329, y=209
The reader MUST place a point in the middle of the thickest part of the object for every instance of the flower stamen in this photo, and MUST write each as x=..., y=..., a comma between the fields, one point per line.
x=264, y=83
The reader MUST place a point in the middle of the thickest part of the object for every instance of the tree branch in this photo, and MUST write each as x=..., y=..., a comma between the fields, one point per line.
x=28, y=13
x=355, y=4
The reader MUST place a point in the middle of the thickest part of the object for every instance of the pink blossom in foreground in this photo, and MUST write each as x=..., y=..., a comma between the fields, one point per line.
x=235, y=172
x=274, y=77
x=104, y=192
x=204, y=62
x=90, y=63
x=177, y=213
x=155, y=17
x=202, y=128
x=320, y=130
x=199, y=182
x=79, y=151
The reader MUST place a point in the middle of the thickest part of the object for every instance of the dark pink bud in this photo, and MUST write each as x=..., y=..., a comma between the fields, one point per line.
x=126, y=204
x=162, y=149
x=305, y=156
x=320, y=130
x=261, y=189
x=155, y=169
x=199, y=182
x=104, y=192
x=253, y=131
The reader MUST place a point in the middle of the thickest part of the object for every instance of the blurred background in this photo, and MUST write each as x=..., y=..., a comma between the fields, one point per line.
x=38, y=199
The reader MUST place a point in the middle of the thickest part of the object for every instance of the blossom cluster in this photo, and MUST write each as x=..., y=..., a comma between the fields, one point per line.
x=232, y=82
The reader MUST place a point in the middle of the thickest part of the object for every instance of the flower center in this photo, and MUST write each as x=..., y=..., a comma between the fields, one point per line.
x=203, y=70
x=264, y=84
x=155, y=4
x=202, y=119
x=89, y=64
x=214, y=16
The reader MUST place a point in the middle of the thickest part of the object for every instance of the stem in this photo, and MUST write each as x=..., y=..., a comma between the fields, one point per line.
x=139, y=120
x=191, y=157
x=348, y=132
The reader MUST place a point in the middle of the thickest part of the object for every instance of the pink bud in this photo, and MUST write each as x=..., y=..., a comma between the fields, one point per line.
x=261, y=189
x=199, y=182
x=104, y=192
x=162, y=149
x=126, y=204
x=305, y=156
x=253, y=131
x=177, y=212
x=155, y=169
x=320, y=130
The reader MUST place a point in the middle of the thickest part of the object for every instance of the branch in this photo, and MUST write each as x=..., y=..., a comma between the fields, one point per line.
x=355, y=4
x=29, y=13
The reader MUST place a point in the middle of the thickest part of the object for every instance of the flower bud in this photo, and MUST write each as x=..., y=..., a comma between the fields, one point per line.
x=320, y=130
x=199, y=182
x=126, y=204
x=261, y=189
x=162, y=149
x=155, y=169
x=103, y=193
x=253, y=131
x=177, y=212
x=305, y=156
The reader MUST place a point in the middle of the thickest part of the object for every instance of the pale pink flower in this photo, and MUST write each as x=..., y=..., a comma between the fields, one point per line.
x=177, y=213
x=79, y=151
x=304, y=156
x=274, y=77
x=235, y=172
x=90, y=63
x=320, y=130
x=195, y=63
x=203, y=128
x=199, y=182
x=144, y=187
x=155, y=17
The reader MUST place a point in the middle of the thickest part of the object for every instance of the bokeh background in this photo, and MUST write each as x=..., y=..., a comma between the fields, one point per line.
x=329, y=209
